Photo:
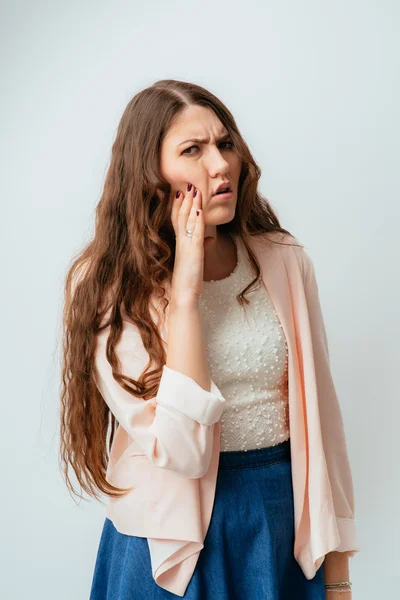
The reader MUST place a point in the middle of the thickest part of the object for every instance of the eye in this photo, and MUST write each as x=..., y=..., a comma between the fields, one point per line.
x=190, y=153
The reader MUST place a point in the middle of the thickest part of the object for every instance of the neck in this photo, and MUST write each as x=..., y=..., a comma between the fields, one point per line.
x=219, y=254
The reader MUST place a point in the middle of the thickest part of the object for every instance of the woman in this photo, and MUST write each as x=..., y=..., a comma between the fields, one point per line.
x=228, y=476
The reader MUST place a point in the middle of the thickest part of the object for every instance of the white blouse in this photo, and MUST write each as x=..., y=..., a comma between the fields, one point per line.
x=247, y=354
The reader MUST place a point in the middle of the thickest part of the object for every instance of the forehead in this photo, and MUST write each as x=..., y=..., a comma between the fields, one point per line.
x=194, y=122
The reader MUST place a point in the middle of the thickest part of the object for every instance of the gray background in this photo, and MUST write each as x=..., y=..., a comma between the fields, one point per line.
x=315, y=89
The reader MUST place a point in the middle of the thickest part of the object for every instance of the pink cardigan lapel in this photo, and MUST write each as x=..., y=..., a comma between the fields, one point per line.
x=313, y=503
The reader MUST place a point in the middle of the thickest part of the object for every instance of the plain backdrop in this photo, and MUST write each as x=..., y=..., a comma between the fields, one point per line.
x=314, y=86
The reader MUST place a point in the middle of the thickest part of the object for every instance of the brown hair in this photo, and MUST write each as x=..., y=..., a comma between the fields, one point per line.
x=128, y=259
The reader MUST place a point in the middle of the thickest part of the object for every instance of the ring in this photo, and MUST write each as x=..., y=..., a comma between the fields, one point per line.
x=189, y=233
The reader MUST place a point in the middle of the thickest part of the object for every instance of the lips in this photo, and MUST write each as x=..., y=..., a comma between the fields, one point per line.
x=225, y=185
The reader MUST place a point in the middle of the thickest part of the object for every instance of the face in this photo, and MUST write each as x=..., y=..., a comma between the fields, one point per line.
x=205, y=164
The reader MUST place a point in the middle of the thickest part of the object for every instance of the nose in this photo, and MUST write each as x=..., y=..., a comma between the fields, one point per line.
x=217, y=165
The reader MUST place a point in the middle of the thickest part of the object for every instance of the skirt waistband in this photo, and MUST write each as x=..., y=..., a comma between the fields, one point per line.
x=257, y=457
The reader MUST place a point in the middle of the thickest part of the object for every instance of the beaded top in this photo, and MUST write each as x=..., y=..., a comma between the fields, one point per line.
x=247, y=354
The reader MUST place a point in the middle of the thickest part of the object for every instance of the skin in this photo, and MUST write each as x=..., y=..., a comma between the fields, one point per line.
x=204, y=165
x=336, y=568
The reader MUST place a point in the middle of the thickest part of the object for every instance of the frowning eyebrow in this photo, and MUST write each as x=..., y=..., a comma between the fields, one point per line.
x=204, y=140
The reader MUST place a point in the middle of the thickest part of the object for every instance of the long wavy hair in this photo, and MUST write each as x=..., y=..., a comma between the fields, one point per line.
x=129, y=258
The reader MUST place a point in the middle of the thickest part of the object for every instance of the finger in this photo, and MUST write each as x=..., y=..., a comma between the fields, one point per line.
x=197, y=206
x=176, y=204
x=184, y=210
x=191, y=224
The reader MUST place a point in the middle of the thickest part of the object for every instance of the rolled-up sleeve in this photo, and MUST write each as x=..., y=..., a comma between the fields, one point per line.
x=175, y=428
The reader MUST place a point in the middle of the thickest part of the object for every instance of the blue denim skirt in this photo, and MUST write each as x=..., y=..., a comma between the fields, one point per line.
x=248, y=549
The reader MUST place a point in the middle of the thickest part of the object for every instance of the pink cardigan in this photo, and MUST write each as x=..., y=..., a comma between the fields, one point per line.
x=168, y=447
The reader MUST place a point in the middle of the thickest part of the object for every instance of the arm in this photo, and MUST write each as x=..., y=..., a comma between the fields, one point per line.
x=175, y=428
x=336, y=568
x=186, y=344
x=332, y=427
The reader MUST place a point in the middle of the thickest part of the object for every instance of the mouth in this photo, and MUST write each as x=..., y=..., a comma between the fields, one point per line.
x=224, y=188
x=223, y=195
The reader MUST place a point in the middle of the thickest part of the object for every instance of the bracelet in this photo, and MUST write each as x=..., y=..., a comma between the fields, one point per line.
x=338, y=586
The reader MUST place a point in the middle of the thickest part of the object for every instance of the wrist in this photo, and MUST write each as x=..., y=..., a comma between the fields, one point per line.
x=183, y=303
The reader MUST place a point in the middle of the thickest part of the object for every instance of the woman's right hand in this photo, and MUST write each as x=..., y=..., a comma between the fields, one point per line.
x=187, y=277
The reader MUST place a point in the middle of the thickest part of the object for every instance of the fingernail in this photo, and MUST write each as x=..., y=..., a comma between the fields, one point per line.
x=177, y=194
x=197, y=213
x=195, y=192
x=189, y=187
